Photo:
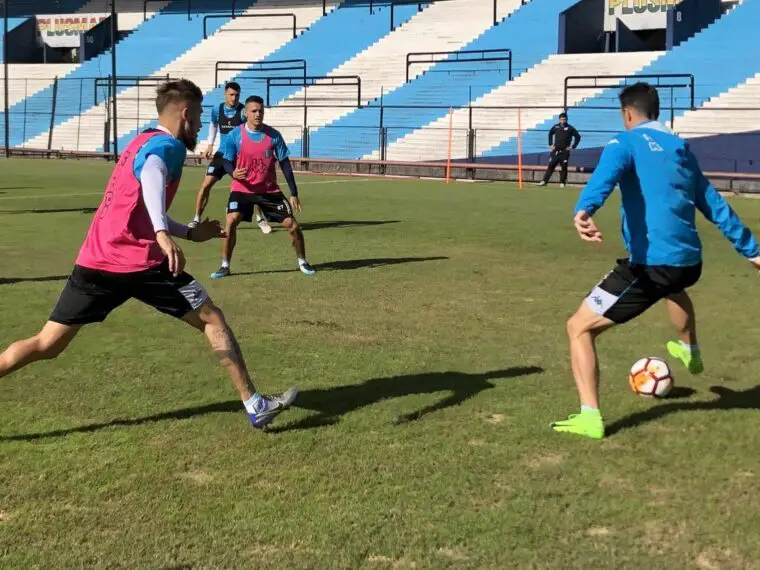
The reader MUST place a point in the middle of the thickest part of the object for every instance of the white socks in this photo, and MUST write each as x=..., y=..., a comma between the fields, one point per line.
x=197, y=219
x=689, y=347
x=253, y=404
x=226, y=263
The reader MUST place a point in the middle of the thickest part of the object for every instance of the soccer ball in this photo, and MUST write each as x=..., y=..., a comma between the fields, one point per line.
x=651, y=378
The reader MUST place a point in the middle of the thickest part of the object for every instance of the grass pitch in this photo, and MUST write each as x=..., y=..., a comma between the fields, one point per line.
x=431, y=355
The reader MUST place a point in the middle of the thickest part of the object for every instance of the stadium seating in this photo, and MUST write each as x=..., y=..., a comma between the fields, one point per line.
x=539, y=90
x=711, y=56
x=350, y=39
x=152, y=45
x=382, y=65
x=237, y=36
x=525, y=31
x=344, y=32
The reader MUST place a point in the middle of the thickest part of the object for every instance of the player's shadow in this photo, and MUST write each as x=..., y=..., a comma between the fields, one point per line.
x=183, y=414
x=332, y=403
x=727, y=399
x=350, y=264
x=88, y=210
x=12, y=280
x=312, y=226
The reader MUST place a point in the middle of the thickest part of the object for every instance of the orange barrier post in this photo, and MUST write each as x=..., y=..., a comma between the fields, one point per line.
x=519, y=150
x=451, y=129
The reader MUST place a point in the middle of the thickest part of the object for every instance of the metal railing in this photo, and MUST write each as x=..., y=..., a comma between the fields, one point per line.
x=316, y=81
x=233, y=16
x=248, y=67
x=42, y=106
x=460, y=56
x=593, y=82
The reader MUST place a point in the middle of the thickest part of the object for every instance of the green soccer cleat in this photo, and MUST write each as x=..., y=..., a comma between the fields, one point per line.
x=691, y=360
x=585, y=424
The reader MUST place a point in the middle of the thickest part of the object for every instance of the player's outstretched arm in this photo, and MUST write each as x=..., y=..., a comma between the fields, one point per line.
x=715, y=208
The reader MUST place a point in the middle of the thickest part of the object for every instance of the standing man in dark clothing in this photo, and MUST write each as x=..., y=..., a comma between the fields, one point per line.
x=561, y=136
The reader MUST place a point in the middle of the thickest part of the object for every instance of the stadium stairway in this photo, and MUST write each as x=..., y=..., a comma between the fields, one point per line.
x=330, y=41
x=26, y=79
x=735, y=116
x=530, y=31
x=738, y=112
x=540, y=90
x=152, y=45
x=720, y=56
x=446, y=26
x=135, y=105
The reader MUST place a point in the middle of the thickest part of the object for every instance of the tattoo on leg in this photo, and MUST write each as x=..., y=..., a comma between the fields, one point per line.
x=226, y=347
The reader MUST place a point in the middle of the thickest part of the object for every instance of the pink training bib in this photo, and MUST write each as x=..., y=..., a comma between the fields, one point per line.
x=259, y=158
x=121, y=238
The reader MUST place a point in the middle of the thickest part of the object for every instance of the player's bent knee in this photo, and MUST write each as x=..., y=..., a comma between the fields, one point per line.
x=212, y=315
x=290, y=224
x=51, y=347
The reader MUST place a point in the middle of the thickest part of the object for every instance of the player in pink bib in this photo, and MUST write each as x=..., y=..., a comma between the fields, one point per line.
x=251, y=154
x=130, y=253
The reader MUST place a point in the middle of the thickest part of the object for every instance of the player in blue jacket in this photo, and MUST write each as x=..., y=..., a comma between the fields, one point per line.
x=662, y=186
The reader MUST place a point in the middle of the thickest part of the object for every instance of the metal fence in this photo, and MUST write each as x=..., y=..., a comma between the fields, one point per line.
x=76, y=114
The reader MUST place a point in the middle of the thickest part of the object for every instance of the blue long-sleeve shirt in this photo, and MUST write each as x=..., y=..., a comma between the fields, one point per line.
x=662, y=186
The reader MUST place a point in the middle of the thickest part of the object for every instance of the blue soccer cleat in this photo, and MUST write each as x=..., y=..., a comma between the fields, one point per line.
x=221, y=272
x=306, y=268
x=267, y=408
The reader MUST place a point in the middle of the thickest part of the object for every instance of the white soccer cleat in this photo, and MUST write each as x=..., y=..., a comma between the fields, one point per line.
x=264, y=226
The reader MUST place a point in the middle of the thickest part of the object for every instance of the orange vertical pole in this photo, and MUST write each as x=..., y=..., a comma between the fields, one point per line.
x=451, y=129
x=519, y=150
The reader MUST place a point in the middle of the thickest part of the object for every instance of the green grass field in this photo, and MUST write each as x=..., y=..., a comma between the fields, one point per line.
x=430, y=350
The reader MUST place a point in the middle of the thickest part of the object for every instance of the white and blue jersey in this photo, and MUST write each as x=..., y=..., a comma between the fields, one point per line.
x=168, y=149
x=662, y=186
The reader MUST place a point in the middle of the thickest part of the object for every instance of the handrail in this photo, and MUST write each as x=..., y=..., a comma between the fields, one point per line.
x=235, y=17
x=311, y=81
x=688, y=76
x=279, y=65
x=457, y=59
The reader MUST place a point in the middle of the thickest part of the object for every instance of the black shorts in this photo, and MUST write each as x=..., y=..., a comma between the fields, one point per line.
x=274, y=206
x=216, y=166
x=90, y=294
x=629, y=290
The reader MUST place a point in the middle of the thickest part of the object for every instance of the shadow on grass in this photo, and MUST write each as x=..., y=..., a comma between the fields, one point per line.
x=351, y=264
x=312, y=226
x=87, y=210
x=185, y=413
x=331, y=403
x=12, y=280
x=727, y=400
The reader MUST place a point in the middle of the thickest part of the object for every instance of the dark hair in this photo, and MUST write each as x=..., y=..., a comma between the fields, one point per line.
x=563, y=115
x=234, y=85
x=255, y=99
x=642, y=97
x=181, y=90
